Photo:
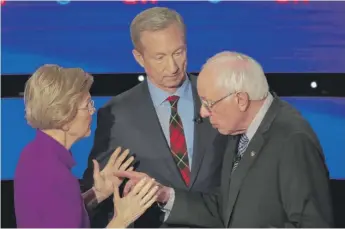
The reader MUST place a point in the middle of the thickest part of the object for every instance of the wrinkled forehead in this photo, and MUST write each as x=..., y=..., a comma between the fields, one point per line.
x=207, y=84
x=164, y=40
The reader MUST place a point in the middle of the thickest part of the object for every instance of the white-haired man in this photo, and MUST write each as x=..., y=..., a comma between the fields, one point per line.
x=274, y=172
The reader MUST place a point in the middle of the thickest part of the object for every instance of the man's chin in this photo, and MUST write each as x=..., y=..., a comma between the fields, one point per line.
x=223, y=131
x=175, y=82
x=229, y=132
x=236, y=132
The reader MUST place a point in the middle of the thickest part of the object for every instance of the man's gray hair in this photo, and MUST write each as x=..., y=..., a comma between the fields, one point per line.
x=237, y=72
x=153, y=19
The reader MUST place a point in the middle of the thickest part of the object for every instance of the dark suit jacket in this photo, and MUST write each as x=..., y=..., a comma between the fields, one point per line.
x=281, y=181
x=129, y=120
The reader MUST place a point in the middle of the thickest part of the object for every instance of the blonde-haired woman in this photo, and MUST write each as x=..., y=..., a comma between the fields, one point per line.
x=46, y=194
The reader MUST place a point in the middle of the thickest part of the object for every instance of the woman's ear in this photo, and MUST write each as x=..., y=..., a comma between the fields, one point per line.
x=66, y=128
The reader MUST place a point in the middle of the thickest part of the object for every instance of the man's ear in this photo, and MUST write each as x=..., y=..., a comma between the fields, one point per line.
x=138, y=57
x=243, y=101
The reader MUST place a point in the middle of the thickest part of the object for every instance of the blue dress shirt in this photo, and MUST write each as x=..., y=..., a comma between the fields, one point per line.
x=185, y=109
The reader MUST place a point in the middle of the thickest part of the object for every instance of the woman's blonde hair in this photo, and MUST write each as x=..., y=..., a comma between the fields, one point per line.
x=53, y=95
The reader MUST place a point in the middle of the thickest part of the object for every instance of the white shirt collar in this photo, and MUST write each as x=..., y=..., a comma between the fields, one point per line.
x=254, y=125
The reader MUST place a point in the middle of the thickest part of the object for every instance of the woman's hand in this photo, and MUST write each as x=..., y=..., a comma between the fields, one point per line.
x=134, y=177
x=105, y=181
x=132, y=206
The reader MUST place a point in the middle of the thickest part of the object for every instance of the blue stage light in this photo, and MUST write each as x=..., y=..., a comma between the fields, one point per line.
x=63, y=2
x=214, y=1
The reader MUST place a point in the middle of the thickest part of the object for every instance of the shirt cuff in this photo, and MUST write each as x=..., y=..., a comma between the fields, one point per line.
x=90, y=199
x=169, y=205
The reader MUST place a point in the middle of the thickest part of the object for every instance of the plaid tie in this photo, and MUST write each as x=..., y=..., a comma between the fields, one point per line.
x=242, y=146
x=178, y=144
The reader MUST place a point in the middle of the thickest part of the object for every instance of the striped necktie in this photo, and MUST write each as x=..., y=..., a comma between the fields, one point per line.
x=242, y=146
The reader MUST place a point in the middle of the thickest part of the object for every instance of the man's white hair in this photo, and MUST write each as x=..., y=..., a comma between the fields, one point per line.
x=236, y=72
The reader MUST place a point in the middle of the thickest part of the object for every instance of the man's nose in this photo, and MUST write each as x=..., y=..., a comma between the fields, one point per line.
x=172, y=66
x=204, y=113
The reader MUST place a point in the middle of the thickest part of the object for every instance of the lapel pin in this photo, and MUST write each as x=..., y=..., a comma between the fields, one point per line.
x=252, y=154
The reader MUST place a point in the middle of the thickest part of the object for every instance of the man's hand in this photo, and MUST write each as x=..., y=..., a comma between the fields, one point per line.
x=134, y=177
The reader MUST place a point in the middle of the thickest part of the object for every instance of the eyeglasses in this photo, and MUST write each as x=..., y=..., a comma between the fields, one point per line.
x=209, y=104
x=90, y=107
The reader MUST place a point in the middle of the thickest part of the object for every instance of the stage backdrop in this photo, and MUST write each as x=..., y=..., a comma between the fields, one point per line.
x=285, y=36
x=326, y=115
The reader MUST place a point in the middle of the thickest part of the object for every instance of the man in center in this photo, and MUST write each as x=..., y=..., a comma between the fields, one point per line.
x=158, y=119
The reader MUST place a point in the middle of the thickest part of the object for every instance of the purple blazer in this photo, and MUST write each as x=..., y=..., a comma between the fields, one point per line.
x=46, y=193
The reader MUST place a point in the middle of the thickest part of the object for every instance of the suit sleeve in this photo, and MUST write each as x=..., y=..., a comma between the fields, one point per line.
x=52, y=200
x=60, y=203
x=104, y=144
x=65, y=211
x=304, y=183
x=195, y=210
x=101, y=146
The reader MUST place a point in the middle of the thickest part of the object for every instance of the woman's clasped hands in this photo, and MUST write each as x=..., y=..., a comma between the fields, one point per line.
x=135, y=202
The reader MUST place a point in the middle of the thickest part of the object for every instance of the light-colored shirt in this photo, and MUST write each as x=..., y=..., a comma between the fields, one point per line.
x=46, y=193
x=254, y=125
x=185, y=108
x=251, y=130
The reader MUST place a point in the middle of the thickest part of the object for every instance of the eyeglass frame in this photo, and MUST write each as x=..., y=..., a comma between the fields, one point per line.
x=89, y=107
x=208, y=105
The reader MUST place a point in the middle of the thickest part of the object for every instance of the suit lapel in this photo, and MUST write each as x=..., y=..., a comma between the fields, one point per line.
x=148, y=122
x=250, y=155
x=238, y=176
x=201, y=135
x=226, y=171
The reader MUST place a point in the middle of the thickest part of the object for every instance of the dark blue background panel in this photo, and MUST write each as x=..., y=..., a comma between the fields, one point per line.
x=283, y=37
x=326, y=115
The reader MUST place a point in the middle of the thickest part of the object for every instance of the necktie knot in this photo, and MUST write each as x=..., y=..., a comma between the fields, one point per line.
x=242, y=145
x=173, y=100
